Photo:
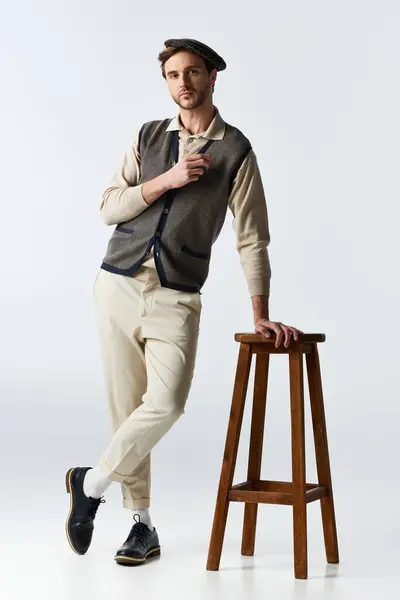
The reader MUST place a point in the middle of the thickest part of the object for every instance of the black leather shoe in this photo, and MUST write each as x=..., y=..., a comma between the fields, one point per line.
x=79, y=525
x=140, y=545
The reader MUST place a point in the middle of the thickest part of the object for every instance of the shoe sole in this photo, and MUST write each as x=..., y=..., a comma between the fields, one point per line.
x=69, y=491
x=128, y=560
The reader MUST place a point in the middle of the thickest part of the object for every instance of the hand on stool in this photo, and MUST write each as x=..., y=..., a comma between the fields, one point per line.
x=263, y=325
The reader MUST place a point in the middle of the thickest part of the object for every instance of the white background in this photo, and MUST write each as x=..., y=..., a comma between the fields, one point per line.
x=315, y=87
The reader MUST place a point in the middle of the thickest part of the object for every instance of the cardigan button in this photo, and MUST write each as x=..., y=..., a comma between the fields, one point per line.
x=166, y=211
x=158, y=234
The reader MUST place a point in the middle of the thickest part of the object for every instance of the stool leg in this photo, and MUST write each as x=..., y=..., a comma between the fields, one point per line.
x=255, y=450
x=298, y=464
x=322, y=454
x=230, y=454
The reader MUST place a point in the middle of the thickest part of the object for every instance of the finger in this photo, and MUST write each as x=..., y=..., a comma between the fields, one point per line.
x=295, y=332
x=197, y=166
x=262, y=327
x=279, y=333
x=195, y=172
x=197, y=154
x=287, y=334
x=263, y=330
x=202, y=158
x=199, y=163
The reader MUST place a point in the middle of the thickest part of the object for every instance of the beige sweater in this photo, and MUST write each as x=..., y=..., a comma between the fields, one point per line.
x=123, y=200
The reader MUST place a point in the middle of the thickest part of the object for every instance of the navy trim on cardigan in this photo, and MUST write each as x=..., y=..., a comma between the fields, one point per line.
x=236, y=169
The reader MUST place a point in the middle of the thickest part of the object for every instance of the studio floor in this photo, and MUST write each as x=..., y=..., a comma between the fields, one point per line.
x=37, y=561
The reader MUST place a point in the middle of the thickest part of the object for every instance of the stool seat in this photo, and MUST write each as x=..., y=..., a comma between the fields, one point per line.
x=296, y=493
x=253, y=338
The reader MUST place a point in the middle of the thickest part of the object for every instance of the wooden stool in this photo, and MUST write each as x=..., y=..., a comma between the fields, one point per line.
x=296, y=493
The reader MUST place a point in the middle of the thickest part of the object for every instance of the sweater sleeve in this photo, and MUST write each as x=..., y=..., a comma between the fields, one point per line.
x=123, y=200
x=248, y=205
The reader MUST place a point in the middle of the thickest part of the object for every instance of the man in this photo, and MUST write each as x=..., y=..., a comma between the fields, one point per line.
x=168, y=201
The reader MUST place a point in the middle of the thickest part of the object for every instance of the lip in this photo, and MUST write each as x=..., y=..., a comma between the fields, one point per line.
x=185, y=93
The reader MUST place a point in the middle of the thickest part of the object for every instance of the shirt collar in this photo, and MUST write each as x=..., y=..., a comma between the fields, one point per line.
x=215, y=131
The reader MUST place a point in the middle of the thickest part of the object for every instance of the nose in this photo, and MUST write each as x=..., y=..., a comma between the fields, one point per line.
x=183, y=81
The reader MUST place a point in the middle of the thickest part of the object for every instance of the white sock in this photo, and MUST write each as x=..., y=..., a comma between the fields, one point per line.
x=144, y=515
x=95, y=483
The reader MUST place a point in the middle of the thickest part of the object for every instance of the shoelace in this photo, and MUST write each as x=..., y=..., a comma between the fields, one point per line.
x=94, y=504
x=138, y=530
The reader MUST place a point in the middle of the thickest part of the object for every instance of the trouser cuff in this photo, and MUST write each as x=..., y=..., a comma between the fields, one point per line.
x=133, y=503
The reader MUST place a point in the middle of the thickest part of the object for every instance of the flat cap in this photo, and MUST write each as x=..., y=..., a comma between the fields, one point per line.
x=199, y=48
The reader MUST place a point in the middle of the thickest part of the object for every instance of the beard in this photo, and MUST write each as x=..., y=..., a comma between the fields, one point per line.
x=196, y=99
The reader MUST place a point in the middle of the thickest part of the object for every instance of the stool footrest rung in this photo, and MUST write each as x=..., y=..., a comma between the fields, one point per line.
x=273, y=492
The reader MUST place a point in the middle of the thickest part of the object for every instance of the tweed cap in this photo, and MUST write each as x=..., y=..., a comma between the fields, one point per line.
x=199, y=48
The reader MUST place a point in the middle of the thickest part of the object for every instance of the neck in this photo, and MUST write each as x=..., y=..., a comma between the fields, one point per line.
x=198, y=119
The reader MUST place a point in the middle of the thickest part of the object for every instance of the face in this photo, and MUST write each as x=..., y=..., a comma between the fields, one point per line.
x=186, y=72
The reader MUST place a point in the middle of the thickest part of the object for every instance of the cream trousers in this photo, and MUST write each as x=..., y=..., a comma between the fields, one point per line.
x=148, y=340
